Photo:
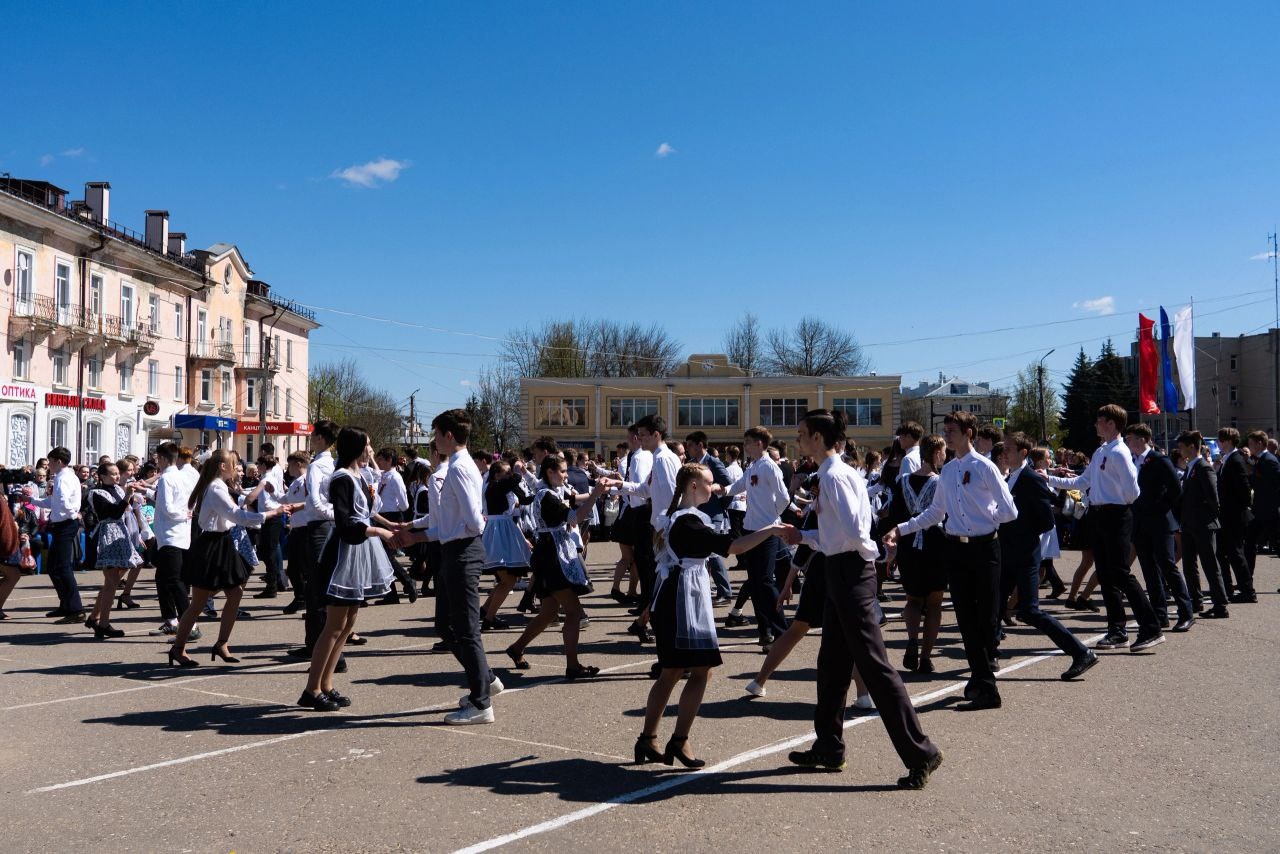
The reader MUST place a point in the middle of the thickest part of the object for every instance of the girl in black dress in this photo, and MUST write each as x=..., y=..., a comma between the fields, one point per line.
x=923, y=579
x=110, y=502
x=559, y=577
x=681, y=611
x=507, y=552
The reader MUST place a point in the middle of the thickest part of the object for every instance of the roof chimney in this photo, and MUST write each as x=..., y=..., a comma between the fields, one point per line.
x=178, y=243
x=97, y=195
x=157, y=238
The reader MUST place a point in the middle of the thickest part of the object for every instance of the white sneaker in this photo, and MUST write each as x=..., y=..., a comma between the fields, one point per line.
x=584, y=622
x=755, y=689
x=863, y=702
x=470, y=715
x=495, y=688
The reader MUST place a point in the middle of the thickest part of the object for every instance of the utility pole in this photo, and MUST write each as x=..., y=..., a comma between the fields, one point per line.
x=265, y=374
x=1044, y=426
x=413, y=420
x=1275, y=333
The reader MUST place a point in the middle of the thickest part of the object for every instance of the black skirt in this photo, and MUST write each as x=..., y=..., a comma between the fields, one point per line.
x=921, y=571
x=548, y=577
x=813, y=596
x=212, y=563
x=629, y=525
x=663, y=618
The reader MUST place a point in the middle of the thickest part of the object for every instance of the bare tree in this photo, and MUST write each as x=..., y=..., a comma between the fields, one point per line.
x=499, y=403
x=600, y=348
x=814, y=348
x=339, y=392
x=744, y=345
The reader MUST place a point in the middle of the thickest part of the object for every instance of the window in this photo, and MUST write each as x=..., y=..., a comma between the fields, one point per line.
x=959, y=388
x=288, y=354
x=251, y=394
x=860, y=411
x=975, y=407
x=957, y=407
x=126, y=377
x=1233, y=393
x=226, y=387
x=275, y=348
x=20, y=439
x=153, y=378
x=206, y=386
x=179, y=392
x=62, y=289
x=1234, y=363
x=782, y=411
x=288, y=403
x=93, y=440
x=153, y=303
x=562, y=412
x=707, y=412
x=126, y=306
x=625, y=411
x=60, y=359
x=179, y=328
x=248, y=345
x=275, y=400
x=21, y=364
x=202, y=333
x=95, y=372
x=95, y=295
x=248, y=448
x=23, y=293
x=57, y=433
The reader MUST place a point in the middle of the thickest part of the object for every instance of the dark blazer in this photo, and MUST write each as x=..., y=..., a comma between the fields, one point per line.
x=1200, y=497
x=1234, y=495
x=1160, y=491
x=1020, y=538
x=1266, y=487
x=717, y=505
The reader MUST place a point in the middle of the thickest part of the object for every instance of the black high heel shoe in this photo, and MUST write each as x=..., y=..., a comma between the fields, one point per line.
x=645, y=751
x=126, y=602
x=220, y=651
x=517, y=659
x=102, y=631
x=673, y=753
x=181, y=659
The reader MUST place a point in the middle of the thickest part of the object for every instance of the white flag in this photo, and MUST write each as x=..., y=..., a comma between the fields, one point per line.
x=1184, y=350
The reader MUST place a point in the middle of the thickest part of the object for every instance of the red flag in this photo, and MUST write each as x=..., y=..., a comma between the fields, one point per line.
x=1147, y=367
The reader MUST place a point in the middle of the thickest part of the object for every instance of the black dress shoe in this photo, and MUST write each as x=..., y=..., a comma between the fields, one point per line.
x=56, y=612
x=1215, y=614
x=1079, y=666
x=977, y=704
x=293, y=607
x=342, y=665
x=1184, y=625
x=357, y=640
x=318, y=702
x=911, y=660
x=442, y=646
x=335, y=697
x=102, y=632
x=299, y=652
x=68, y=619
x=814, y=759
x=917, y=778
x=735, y=620
x=265, y=594
x=1245, y=599
x=1163, y=622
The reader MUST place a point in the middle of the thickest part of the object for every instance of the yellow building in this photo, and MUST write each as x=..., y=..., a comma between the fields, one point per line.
x=706, y=394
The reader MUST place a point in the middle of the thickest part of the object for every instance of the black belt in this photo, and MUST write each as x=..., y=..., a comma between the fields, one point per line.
x=975, y=538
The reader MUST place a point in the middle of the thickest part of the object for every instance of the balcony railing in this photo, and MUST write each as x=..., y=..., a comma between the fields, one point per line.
x=221, y=351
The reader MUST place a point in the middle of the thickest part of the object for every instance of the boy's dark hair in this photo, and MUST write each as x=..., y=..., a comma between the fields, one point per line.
x=61, y=454
x=455, y=421
x=654, y=424
x=1140, y=430
x=328, y=430
x=910, y=428
x=697, y=437
x=1114, y=413
x=964, y=420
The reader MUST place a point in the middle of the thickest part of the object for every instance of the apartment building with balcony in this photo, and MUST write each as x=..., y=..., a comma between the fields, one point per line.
x=707, y=394
x=117, y=340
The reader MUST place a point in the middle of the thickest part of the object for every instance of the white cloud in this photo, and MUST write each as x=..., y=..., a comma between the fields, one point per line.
x=665, y=150
x=1262, y=256
x=70, y=153
x=46, y=159
x=1101, y=305
x=464, y=382
x=73, y=152
x=384, y=170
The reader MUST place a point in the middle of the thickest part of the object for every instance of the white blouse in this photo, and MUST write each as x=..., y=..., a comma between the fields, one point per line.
x=219, y=513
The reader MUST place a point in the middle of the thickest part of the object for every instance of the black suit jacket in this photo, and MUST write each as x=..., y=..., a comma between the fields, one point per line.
x=1234, y=495
x=1266, y=487
x=1200, y=497
x=1020, y=538
x=1160, y=491
x=716, y=506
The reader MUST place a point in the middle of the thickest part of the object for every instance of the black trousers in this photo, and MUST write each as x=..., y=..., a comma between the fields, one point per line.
x=1198, y=548
x=646, y=561
x=1112, y=540
x=66, y=536
x=762, y=579
x=973, y=575
x=269, y=551
x=1231, y=557
x=296, y=545
x=1021, y=572
x=459, y=587
x=317, y=584
x=851, y=637
x=1160, y=573
x=1261, y=532
x=170, y=589
x=736, y=518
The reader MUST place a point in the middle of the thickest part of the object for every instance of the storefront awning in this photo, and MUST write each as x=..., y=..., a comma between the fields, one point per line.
x=204, y=422
x=276, y=428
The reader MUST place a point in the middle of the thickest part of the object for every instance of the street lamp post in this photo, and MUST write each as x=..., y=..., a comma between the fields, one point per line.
x=1044, y=427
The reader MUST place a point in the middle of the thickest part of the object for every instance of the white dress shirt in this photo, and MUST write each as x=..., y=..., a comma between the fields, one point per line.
x=660, y=486
x=172, y=525
x=973, y=497
x=316, y=490
x=1111, y=476
x=435, y=485
x=391, y=491
x=844, y=512
x=296, y=494
x=271, y=500
x=638, y=472
x=460, y=512
x=219, y=512
x=739, y=501
x=911, y=462
x=63, y=500
x=767, y=495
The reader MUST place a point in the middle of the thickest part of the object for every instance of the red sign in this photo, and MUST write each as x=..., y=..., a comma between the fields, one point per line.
x=150, y=407
x=74, y=401
x=276, y=428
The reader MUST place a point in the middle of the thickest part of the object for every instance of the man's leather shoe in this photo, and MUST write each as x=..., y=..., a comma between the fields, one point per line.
x=1215, y=614
x=977, y=704
x=299, y=652
x=916, y=778
x=814, y=759
x=1184, y=625
x=56, y=612
x=342, y=665
x=1245, y=599
x=265, y=594
x=1079, y=666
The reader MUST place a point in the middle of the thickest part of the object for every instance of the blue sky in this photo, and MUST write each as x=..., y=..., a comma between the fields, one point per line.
x=903, y=170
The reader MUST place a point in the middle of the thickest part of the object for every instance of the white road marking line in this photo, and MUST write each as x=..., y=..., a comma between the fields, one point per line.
x=681, y=779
